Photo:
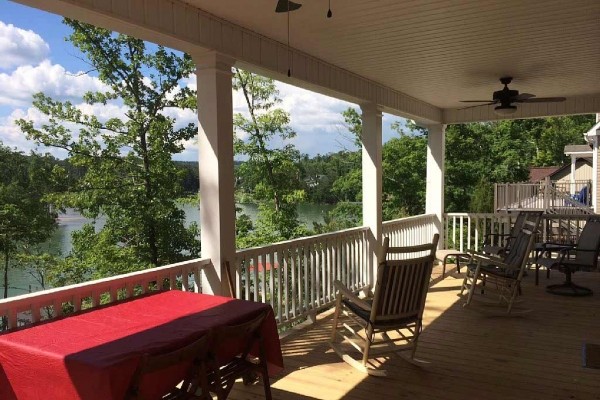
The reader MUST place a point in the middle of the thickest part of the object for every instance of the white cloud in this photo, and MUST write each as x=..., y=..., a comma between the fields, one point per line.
x=11, y=135
x=20, y=47
x=17, y=88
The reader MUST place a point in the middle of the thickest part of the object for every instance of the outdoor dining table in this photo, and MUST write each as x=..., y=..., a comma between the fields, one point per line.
x=93, y=354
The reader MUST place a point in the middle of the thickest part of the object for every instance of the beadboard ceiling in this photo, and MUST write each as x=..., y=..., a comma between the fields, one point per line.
x=441, y=51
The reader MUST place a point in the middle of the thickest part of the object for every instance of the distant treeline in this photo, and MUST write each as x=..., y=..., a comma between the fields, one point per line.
x=318, y=175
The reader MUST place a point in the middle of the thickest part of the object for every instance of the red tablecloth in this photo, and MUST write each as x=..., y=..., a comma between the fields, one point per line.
x=92, y=355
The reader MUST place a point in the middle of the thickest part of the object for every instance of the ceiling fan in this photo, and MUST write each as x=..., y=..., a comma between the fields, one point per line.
x=506, y=97
x=286, y=5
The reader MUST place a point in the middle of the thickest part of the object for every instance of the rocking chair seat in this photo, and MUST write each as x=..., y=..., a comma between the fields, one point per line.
x=365, y=315
x=495, y=271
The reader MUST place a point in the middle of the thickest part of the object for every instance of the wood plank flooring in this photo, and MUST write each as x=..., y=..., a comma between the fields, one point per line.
x=534, y=356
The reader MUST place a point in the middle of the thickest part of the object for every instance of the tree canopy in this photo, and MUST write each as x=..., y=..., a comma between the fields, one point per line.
x=26, y=218
x=129, y=177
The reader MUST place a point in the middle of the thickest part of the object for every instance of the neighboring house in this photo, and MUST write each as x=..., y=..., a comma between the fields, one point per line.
x=576, y=175
x=554, y=189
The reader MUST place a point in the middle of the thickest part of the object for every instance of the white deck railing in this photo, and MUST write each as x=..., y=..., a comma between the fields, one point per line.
x=410, y=231
x=468, y=230
x=51, y=303
x=296, y=277
x=544, y=196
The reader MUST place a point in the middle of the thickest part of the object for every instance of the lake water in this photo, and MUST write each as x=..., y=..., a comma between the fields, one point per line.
x=21, y=282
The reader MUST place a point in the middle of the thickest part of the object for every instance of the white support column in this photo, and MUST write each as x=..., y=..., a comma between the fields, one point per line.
x=372, y=179
x=596, y=173
x=215, y=142
x=596, y=177
x=434, y=198
x=572, y=177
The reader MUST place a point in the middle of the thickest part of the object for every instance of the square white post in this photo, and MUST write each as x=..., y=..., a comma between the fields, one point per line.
x=596, y=173
x=572, y=177
x=434, y=198
x=372, y=182
x=215, y=142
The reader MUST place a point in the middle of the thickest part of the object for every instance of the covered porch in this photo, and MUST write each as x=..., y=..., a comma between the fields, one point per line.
x=421, y=71
x=537, y=355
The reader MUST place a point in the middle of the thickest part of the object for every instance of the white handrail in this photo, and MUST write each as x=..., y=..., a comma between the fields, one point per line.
x=410, y=231
x=296, y=276
x=469, y=230
x=24, y=309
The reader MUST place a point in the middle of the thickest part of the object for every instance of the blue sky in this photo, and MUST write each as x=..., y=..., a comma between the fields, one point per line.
x=34, y=56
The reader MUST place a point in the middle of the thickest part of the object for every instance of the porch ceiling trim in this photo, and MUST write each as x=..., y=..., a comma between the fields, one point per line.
x=180, y=26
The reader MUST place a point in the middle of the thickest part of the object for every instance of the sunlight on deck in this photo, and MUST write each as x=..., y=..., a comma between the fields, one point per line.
x=538, y=355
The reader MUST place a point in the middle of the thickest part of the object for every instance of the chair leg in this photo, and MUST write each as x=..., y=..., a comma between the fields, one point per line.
x=465, y=282
x=264, y=370
x=473, y=285
x=336, y=315
x=369, y=337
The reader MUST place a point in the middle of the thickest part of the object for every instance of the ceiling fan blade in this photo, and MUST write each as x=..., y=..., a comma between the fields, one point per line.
x=477, y=101
x=543, y=100
x=286, y=5
x=478, y=105
x=523, y=96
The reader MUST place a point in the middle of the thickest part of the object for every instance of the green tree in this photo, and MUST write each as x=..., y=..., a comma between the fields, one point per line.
x=551, y=135
x=25, y=216
x=404, y=172
x=130, y=177
x=271, y=174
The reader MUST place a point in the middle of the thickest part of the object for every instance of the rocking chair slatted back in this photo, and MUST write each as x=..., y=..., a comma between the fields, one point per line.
x=402, y=284
x=521, y=246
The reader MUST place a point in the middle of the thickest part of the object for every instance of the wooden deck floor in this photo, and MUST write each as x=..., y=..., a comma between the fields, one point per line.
x=535, y=356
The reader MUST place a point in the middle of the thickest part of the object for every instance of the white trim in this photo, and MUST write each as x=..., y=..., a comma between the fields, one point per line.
x=181, y=26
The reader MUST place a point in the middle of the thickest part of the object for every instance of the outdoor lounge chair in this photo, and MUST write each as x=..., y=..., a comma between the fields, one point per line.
x=582, y=256
x=391, y=320
x=491, y=244
x=501, y=276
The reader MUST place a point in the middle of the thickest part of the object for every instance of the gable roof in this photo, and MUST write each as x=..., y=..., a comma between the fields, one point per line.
x=578, y=148
x=537, y=174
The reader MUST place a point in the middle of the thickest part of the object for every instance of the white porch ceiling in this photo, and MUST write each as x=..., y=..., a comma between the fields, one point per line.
x=414, y=58
x=441, y=52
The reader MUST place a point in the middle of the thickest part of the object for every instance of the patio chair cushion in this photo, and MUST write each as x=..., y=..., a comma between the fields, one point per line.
x=493, y=270
x=365, y=315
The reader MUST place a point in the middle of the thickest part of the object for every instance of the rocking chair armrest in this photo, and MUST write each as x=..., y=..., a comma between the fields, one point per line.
x=557, y=246
x=488, y=236
x=477, y=256
x=351, y=296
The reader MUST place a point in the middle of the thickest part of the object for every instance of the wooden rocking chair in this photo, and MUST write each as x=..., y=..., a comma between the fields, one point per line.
x=508, y=239
x=501, y=276
x=396, y=307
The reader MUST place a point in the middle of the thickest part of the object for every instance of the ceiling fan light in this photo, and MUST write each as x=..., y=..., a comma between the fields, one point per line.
x=505, y=110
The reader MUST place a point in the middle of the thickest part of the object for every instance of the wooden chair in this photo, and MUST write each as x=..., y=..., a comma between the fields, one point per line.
x=501, y=276
x=582, y=256
x=490, y=248
x=194, y=354
x=222, y=377
x=396, y=307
